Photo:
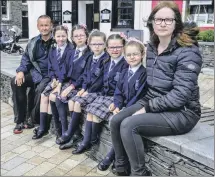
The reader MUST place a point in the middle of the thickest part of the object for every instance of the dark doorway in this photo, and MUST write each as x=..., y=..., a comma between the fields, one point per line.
x=89, y=16
x=25, y=24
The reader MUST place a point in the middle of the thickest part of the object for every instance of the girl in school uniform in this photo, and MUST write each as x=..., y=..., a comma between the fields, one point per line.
x=130, y=87
x=77, y=65
x=92, y=83
x=58, y=60
x=98, y=109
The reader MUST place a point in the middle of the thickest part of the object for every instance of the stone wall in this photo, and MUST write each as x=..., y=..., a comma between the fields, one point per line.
x=159, y=159
x=6, y=92
x=16, y=8
x=207, y=51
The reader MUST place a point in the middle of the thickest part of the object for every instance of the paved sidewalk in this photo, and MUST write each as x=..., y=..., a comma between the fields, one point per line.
x=22, y=156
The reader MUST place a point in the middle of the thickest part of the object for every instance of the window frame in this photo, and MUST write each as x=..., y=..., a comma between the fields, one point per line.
x=7, y=18
x=50, y=12
x=114, y=18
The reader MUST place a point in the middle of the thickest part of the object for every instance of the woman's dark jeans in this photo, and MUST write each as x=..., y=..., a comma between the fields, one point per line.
x=127, y=132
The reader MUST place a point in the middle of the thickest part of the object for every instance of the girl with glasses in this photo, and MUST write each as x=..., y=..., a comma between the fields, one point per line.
x=91, y=86
x=77, y=63
x=98, y=110
x=130, y=87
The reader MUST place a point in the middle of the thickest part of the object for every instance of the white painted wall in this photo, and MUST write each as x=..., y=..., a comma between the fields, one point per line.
x=67, y=5
x=142, y=10
x=105, y=27
x=35, y=9
x=82, y=11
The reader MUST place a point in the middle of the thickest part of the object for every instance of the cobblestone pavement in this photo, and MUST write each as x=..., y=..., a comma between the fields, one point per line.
x=22, y=156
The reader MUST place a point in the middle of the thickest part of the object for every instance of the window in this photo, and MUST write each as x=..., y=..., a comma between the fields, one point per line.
x=202, y=12
x=123, y=14
x=24, y=13
x=4, y=8
x=54, y=10
x=24, y=1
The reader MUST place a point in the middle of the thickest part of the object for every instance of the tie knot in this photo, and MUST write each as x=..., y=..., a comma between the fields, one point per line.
x=77, y=51
x=130, y=73
x=59, y=50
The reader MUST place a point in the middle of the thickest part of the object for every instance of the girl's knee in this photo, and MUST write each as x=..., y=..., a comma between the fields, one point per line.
x=52, y=97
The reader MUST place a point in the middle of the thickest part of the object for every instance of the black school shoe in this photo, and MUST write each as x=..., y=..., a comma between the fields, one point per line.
x=38, y=133
x=81, y=149
x=103, y=167
x=72, y=143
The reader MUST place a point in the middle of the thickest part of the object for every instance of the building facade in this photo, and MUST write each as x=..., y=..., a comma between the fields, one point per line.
x=113, y=15
x=15, y=13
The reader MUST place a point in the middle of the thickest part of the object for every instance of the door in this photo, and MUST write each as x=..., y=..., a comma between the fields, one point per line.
x=89, y=16
x=24, y=24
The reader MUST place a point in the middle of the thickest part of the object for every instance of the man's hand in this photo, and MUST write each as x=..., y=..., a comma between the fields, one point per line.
x=116, y=111
x=141, y=111
x=66, y=91
x=80, y=92
x=20, y=78
x=111, y=107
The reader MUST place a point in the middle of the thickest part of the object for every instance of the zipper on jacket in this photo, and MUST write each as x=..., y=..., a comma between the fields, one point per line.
x=153, y=70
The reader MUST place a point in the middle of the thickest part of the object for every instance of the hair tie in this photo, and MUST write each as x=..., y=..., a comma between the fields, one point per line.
x=66, y=27
x=83, y=26
x=135, y=40
x=123, y=36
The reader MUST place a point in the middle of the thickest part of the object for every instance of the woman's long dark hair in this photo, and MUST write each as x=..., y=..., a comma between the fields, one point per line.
x=182, y=38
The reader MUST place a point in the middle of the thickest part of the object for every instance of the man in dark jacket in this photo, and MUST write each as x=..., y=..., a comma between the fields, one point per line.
x=33, y=73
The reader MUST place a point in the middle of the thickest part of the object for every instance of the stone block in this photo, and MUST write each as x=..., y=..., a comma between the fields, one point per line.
x=41, y=169
x=79, y=170
x=11, y=164
x=20, y=170
x=36, y=160
x=201, y=151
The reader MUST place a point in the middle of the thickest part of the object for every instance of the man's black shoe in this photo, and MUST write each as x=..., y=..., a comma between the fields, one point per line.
x=71, y=143
x=39, y=134
x=102, y=167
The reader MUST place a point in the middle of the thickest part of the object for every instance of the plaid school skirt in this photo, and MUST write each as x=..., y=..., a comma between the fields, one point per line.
x=100, y=107
x=70, y=94
x=89, y=98
x=48, y=89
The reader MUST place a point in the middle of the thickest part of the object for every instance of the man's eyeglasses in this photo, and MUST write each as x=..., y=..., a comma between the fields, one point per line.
x=79, y=36
x=167, y=21
x=135, y=54
x=115, y=48
x=97, y=44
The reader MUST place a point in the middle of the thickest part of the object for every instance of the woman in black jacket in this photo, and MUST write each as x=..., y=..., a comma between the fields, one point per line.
x=171, y=105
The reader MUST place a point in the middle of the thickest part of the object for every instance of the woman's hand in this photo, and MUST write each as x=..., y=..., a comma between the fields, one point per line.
x=111, y=107
x=84, y=94
x=141, y=111
x=66, y=91
x=80, y=92
x=116, y=111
